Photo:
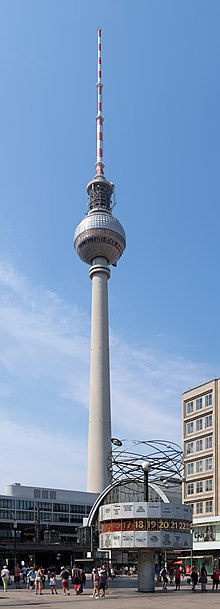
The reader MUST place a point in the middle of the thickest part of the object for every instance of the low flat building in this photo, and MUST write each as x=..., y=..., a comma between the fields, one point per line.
x=41, y=524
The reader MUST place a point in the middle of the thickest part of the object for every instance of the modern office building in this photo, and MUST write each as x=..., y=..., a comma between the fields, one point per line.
x=99, y=241
x=40, y=525
x=201, y=443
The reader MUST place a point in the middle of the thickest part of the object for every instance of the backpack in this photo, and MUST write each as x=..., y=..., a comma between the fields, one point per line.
x=65, y=574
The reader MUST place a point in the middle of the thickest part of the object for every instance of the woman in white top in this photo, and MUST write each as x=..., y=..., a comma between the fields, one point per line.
x=5, y=577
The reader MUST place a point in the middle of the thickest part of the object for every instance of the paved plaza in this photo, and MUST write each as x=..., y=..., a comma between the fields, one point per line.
x=121, y=594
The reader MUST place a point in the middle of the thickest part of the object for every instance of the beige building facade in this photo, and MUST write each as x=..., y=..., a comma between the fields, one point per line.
x=201, y=455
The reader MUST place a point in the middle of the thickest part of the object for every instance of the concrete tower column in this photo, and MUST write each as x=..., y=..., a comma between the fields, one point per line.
x=146, y=570
x=99, y=442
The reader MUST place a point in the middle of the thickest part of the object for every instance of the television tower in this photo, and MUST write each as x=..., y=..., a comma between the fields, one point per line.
x=99, y=240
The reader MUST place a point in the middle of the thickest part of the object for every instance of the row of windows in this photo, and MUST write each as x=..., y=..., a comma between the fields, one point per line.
x=197, y=425
x=198, y=466
x=200, y=506
x=199, y=403
x=25, y=515
x=198, y=445
x=43, y=505
x=199, y=487
x=7, y=503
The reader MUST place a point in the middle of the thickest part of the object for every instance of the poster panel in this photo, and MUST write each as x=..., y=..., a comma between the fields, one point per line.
x=127, y=510
x=140, y=509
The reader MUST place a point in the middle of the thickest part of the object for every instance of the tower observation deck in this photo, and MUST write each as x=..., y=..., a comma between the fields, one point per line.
x=99, y=240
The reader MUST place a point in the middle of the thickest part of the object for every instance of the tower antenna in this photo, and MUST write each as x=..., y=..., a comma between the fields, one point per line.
x=99, y=117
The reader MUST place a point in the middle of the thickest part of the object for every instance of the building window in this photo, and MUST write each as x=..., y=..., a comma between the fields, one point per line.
x=208, y=485
x=77, y=509
x=198, y=445
x=189, y=427
x=190, y=468
x=43, y=505
x=208, y=463
x=6, y=515
x=45, y=494
x=190, y=488
x=199, y=424
x=208, y=442
x=189, y=407
x=7, y=503
x=199, y=507
x=61, y=507
x=199, y=466
x=198, y=403
x=24, y=505
x=208, y=399
x=189, y=448
x=53, y=495
x=208, y=421
x=199, y=486
x=208, y=506
x=37, y=493
x=61, y=518
x=25, y=515
x=76, y=518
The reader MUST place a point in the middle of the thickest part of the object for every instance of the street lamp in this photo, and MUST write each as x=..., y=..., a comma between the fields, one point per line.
x=15, y=524
x=116, y=442
x=146, y=466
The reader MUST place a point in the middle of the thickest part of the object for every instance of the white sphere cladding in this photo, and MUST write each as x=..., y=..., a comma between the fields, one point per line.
x=99, y=234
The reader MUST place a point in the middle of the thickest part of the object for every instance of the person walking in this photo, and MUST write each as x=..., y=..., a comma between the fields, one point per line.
x=177, y=577
x=30, y=579
x=38, y=581
x=5, y=577
x=164, y=577
x=103, y=581
x=194, y=577
x=96, y=583
x=65, y=581
x=76, y=579
x=24, y=574
x=203, y=577
x=215, y=579
x=17, y=576
x=53, y=583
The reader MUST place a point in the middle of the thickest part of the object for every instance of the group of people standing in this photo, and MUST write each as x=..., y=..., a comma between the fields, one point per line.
x=172, y=573
x=99, y=580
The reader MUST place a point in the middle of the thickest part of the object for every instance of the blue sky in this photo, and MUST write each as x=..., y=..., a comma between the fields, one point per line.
x=161, y=148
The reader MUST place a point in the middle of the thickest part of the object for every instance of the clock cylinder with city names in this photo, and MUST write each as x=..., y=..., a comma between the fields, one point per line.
x=145, y=525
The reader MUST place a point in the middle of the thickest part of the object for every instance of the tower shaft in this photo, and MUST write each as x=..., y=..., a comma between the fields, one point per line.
x=99, y=444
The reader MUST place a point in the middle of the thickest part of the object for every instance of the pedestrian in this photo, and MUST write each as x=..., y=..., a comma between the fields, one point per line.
x=96, y=583
x=53, y=583
x=215, y=579
x=30, y=579
x=177, y=577
x=17, y=576
x=5, y=577
x=171, y=574
x=194, y=577
x=83, y=580
x=65, y=580
x=203, y=577
x=164, y=577
x=103, y=581
x=38, y=580
x=24, y=574
x=76, y=579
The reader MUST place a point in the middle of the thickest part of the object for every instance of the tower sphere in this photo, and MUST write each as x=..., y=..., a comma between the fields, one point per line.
x=99, y=234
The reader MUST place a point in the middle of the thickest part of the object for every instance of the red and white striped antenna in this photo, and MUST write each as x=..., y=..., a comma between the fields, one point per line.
x=99, y=118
